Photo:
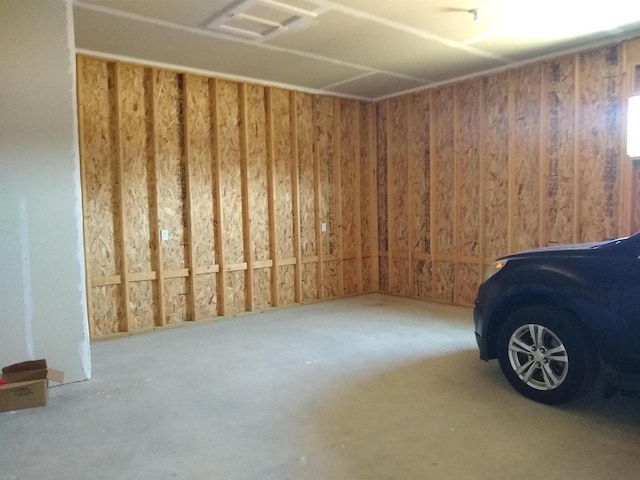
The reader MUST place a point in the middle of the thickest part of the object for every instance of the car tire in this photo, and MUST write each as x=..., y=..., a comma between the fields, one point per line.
x=545, y=355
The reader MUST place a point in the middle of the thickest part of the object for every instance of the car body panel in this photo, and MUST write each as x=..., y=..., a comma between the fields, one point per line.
x=598, y=284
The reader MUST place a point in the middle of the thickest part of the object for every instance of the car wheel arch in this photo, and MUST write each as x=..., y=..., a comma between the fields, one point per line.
x=513, y=304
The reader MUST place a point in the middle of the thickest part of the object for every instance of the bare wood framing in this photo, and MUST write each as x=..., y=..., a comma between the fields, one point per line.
x=373, y=213
x=483, y=170
x=543, y=160
x=411, y=158
x=316, y=198
x=191, y=254
x=358, y=217
x=432, y=185
x=216, y=184
x=83, y=179
x=295, y=192
x=511, y=112
x=271, y=194
x=125, y=322
x=155, y=201
x=456, y=190
x=576, y=152
x=338, y=191
x=391, y=215
x=626, y=170
x=246, y=206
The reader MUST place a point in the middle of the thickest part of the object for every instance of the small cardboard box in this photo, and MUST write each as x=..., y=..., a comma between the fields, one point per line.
x=27, y=384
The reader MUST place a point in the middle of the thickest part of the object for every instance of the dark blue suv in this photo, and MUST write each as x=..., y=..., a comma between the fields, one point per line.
x=551, y=316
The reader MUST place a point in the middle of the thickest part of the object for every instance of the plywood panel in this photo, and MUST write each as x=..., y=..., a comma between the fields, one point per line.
x=382, y=193
x=283, y=182
x=262, y=288
x=443, y=281
x=403, y=283
x=206, y=296
x=171, y=181
x=526, y=158
x=330, y=279
x=600, y=143
x=107, y=310
x=309, y=282
x=176, y=300
x=423, y=279
x=495, y=178
x=257, y=172
x=398, y=185
x=141, y=301
x=444, y=159
x=231, y=179
x=368, y=283
x=351, y=278
x=99, y=167
x=560, y=134
x=348, y=175
x=367, y=200
x=235, y=292
x=306, y=161
x=468, y=139
x=325, y=124
x=467, y=283
x=420, y=151
x=136, y=176
x=286, y=277
x=201, y=186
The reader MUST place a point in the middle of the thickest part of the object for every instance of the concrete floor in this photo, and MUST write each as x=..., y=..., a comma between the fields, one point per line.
x=372, y=387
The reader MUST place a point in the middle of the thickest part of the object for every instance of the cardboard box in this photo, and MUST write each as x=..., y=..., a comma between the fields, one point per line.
x=27, y=384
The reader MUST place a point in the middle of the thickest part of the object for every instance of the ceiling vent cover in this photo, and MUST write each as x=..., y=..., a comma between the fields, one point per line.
x=261, y=20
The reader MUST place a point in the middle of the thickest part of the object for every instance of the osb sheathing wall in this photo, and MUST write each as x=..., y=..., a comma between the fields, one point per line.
x=529, y=157
x=205, y=197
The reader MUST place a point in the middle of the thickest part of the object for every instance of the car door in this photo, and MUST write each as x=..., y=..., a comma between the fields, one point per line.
x=630, y=313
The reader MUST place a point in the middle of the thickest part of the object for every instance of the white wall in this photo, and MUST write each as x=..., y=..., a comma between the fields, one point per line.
x=43, y=310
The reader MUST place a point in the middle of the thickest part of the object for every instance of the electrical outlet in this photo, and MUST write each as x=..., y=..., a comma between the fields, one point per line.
x=164, y=235
x=323, y=227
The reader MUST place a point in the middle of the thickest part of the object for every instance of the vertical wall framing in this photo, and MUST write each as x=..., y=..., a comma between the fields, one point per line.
x=207, y=197
x=529, y=157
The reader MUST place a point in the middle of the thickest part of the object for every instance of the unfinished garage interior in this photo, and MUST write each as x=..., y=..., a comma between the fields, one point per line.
x=312, y=190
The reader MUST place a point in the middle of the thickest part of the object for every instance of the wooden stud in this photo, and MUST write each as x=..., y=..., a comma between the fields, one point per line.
x=338, y=194
x=246, y=205
x=511, y=204
x=391, y=214
x=271, y=193
x=155, y=201
x=411, y=158
x=186, y=159
x=456, y=191
x=216, y=184
x=483, y=175
x=125, y=322
x=626, y=170
x=316, y=199
x=543, y=159
x=432, y=187
x=295, y=192
x=373, y=213
x=358, y=215
x=576, y=153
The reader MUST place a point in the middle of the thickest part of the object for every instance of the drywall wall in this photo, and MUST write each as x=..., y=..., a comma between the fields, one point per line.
x=528, y=157
x=42, y=285
x=206, y=197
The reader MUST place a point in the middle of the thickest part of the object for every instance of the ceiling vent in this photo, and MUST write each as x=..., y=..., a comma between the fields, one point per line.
x=262, y=20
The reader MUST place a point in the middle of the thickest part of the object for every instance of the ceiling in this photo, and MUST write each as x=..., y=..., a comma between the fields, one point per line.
x=367, y=49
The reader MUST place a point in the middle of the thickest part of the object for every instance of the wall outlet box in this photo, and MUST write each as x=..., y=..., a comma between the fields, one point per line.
x=164, y=235
x=323, y=227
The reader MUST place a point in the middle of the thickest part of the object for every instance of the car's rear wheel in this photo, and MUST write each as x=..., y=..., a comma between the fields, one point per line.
x=545, y=355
